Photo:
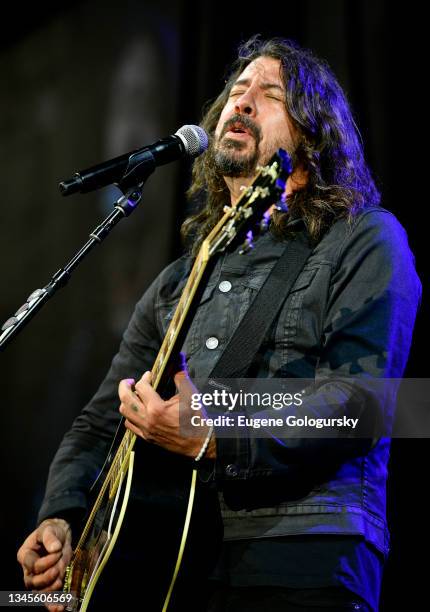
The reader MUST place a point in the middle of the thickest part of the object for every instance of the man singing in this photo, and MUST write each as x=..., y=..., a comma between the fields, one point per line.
x=304, y=520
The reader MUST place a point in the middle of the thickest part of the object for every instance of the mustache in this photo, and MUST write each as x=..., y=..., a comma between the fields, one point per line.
x=246, y=122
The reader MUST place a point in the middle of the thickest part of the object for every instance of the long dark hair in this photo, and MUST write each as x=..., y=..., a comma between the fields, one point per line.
x=330, y=149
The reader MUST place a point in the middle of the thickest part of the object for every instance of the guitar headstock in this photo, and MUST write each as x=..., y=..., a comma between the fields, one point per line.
x=266, y=189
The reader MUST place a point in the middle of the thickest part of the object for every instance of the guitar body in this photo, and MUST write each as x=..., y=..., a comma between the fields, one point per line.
x=104, y=535
x=100, y=535
x=134, y=566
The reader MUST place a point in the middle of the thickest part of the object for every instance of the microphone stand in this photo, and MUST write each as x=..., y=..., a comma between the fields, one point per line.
x=123, y=207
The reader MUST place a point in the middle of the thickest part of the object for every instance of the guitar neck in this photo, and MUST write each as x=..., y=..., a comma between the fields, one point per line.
x=209, y=246
x=128, y=440
x=180, y=315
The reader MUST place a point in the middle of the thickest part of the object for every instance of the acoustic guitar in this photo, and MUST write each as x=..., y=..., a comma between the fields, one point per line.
x=105, y=519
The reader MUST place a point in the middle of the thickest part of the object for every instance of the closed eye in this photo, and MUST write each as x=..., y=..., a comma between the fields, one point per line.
x=275, y=98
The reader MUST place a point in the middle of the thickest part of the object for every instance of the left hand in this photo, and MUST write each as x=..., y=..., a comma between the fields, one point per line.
x=156, y=420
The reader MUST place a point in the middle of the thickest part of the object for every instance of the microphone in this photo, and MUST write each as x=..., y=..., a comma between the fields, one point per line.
x=188, y=141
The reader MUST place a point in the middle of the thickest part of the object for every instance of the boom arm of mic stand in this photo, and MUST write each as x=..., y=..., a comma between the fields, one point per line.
x=123, y=207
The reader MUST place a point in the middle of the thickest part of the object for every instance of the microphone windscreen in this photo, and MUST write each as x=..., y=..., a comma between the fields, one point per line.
x=194, y=138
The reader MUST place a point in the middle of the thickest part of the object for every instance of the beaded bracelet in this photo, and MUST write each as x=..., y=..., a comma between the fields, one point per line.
x=204, y=448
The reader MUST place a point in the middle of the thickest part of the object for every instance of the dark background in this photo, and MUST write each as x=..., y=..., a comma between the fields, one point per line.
x=86, y=81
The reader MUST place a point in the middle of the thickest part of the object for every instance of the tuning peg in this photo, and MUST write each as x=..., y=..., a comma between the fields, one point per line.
x=247, y=190
x=248, y=244
x=282, y=205
x=263, y=226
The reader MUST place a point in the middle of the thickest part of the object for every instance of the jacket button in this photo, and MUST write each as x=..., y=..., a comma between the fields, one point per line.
x=224, y=286
x=231, y=470
x=212, y=342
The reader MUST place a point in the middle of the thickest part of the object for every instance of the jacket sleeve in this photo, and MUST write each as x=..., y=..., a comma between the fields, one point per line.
x=368, y=324
x=83, y=450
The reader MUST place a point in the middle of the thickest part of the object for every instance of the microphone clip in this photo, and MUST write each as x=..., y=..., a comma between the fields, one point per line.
x=141, y=165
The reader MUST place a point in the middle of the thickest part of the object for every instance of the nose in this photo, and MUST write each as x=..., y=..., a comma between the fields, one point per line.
x=245, y=104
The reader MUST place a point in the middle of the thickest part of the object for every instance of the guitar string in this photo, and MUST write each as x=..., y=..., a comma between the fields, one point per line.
x=159, y=365
x=158, y=369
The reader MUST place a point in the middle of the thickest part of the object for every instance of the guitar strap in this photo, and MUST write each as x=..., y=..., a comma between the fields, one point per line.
x=246, y=341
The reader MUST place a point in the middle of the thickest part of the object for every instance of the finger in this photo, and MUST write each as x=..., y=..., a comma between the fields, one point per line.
x=28, y=580
x=126, y=389
x=145, y=391
x=28, y=560
x=136, y=430
x=185, y=386
x=144, y=383
x=30, y=544
x=180, y=377
x=65, y=560
x=132, y=409
x=47, y=579
x=146, y=377
x=52, y=537
x=44, y=563
x=55, y=586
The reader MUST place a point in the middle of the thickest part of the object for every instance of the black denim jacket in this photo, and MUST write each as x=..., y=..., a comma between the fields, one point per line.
x=350, y=314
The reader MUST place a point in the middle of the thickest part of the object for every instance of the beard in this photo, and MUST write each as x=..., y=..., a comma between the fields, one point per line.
x=230, y=156
x=229, y=161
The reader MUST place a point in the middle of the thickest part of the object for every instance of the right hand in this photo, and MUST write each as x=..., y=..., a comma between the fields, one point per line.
x=44, y=556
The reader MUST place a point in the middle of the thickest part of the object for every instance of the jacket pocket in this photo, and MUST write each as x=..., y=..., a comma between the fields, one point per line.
x=165, y=310
x=298, y=329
